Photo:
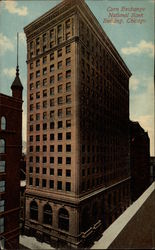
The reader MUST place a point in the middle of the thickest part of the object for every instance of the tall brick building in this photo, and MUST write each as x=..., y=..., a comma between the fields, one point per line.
x=10, y=157
x=78, y=177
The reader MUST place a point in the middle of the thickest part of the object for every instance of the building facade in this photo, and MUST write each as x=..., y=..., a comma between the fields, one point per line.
x=78, y=178
x=152, y=169
x=139, y=160
x=10, y=156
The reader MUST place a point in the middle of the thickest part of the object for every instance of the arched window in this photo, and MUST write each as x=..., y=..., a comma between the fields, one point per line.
x=2, y=146
x=33, y=210
x=3, y=123
x=47, y=214
x=63, y=219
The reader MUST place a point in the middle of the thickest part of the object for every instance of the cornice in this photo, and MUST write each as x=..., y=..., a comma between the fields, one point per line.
x=55, y=15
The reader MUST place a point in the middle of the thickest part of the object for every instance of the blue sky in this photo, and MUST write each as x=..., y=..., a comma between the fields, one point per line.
x=133, y=41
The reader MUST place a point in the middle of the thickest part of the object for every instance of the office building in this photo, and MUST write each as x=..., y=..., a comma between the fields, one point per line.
x=10, y=156
x=78, y=178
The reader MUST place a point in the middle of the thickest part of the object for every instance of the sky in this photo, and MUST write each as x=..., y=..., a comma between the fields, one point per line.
x=129, y=25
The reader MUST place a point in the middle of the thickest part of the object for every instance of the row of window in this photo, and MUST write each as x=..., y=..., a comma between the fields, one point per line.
x=44, y=61
x=52, y=136
x=2, y=186
x=44, y=48
x=51, y=159
x=44, y=171
x=44, y=149
x=51, y=91
x=60, y=101
x=44, y=72
x=63, y=215
x=2, y=166
x=51, y=184
x=2, y=146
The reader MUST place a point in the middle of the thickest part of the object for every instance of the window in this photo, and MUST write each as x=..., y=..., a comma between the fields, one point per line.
x=37, y=51
x=44, y=159
x=44, y=115
x=68, y=111
x=45, y=137
x=52, y=56
x=37, y=170
x=31, y=76
x=59, y=148
x=51, y=102
x=68, y=148
x=37, y=127
x=3, y=123
x=44, y=37
x=68, y=74
x=1, y=225
x=52, y=160
x=2, y=146
x=52, y=91
x=68, y=86
x=44, y=126
x=51, y=79
x=31, y=86
x=52, y=44
x=38, y=73
x=52, y=184
x=68, y=99
x=37, y=41
x=44, y=104
x=60, y=89
x=68, y=172
x=38, y=105
x=33, y=210
x=31, y=149
x=63, y=219
x=2, y=166
x=47, y=217
x=59, y=172
x=59, y=52
x=59, y=124
x=51, y=148
x=68, y=186
x=44, y=170
x=31, y=138
x=38, y=63
x=37, y=159
x=44, y=59
x=68, y=160
x=31, y=45
x=37, y=84
x=51, y=137
x=67, y=24
x=2, y=204
x=37, y=148
x=68, y=136
x=44, y=48
x=68, y=49
x=45, y=82
x=44, y=71
x=37, y=95
x=51, y=125
x=59, y=28
x=59, y=185
x=37, y=182
x=52, y=114
x=60, y=77
x=60, y=65
x=2, y=186
x=51, y=171
x=45, y=93
x=59, y=160
x=44, y=148
x=68, y=61
x=31, y=97
x=59, y=112
x=59, y=136
x=43, y=183
x=31, y=159
x=37, y=137
x=51, y=33
x=30, y=169
x=60, y=100
x=52, y=68
x=67, y=35
x=59, y=40
x=68, y=123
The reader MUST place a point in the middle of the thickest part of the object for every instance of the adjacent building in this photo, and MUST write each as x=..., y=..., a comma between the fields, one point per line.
x=78, y=169
x=139, y=160
x=152, y=169
x=10, y=156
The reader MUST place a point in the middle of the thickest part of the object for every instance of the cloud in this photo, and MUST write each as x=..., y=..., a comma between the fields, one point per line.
x=22, y=37
x=142, y=47
x=5, y=44
x=134, y=82
x=11, y=72
x=11, y=7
